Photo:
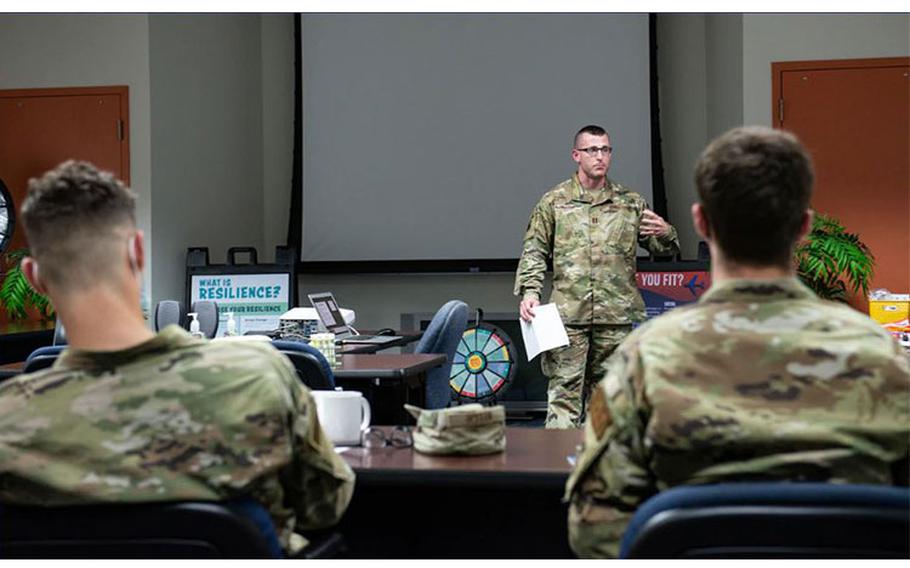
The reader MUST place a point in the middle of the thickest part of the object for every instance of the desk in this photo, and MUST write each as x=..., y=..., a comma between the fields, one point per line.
x=507, y=505
x=407, y=338
x=405, y=372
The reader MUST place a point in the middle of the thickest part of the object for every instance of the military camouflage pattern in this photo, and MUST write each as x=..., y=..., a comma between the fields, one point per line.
x=573, y=371
x=759, y=380
x=175, y=418
x=470, y=429
x=591, y=237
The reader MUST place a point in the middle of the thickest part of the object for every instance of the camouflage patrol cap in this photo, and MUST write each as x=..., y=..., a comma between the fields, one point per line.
x=468, y=429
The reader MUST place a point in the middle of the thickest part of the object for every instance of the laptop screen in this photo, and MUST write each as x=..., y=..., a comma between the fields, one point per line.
x=328, y=312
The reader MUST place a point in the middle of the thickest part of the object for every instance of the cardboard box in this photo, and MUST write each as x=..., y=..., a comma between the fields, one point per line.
x=892, y=312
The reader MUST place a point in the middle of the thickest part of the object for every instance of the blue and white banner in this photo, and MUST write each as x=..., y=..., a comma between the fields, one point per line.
x=257, y=300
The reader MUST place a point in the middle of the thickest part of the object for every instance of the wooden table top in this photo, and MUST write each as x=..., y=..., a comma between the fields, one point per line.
x=386, y=365
x=407, y=337
x=533, y=456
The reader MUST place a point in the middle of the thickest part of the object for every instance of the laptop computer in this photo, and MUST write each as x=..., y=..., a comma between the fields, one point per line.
x=330, y=316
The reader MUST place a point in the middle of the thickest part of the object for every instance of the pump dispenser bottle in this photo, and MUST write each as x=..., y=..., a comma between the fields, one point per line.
x=231, y=330
x=194, y=326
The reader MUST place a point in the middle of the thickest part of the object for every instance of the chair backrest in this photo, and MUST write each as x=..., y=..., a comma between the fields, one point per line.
x=207, y=314
x=169, y=312
x=311, y=365
x=238, y=529
x=42, y=358
x=442, y=336
x=772, y=520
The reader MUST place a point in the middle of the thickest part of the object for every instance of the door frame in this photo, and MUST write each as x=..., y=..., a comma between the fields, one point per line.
x=121, y=90
x=779, y=67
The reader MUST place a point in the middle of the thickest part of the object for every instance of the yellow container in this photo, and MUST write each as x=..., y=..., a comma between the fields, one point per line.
x=892, y=311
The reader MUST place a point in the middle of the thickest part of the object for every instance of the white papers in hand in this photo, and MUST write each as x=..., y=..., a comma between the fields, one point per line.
x=545, y=331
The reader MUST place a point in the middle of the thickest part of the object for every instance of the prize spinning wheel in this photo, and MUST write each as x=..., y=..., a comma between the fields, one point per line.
x=484, y=364
x=7, y=217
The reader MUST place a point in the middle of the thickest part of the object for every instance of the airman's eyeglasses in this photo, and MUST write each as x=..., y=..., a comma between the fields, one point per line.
x=398, y=437
x=593, y=150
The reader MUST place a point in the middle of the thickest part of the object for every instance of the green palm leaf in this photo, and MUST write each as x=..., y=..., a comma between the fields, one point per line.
x=831, y=260
x=16, y=294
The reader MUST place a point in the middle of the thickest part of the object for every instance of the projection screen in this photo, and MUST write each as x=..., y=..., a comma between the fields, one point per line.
x=431, y=137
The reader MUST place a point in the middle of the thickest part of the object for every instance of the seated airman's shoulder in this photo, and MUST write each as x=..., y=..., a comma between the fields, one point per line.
x=229, y=358
x=241, y=351
x=844, y=316
x=38, y=379
x=665, y=323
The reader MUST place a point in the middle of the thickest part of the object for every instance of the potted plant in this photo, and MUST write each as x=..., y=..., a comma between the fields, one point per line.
x=831, y=260
x=17, y=295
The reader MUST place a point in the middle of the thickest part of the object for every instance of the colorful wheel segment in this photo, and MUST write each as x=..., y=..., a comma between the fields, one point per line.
x=483, y=366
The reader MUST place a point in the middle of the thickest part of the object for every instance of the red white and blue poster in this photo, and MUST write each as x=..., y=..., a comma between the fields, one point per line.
x=665, y=290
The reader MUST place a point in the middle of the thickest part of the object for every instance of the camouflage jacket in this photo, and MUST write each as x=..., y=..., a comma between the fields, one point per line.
x=757, y=380
x=174, y=418
x=592, y=238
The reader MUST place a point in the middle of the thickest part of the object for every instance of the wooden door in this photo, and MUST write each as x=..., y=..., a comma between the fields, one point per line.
x=854, y=118
x=40, y=128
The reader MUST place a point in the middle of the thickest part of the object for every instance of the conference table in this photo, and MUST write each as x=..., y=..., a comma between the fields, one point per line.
x=404, y=338
x=506, y=505
x=388, y=380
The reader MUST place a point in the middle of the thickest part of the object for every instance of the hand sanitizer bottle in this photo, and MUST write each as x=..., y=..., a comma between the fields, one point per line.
x=231, y=330
x=194, y=326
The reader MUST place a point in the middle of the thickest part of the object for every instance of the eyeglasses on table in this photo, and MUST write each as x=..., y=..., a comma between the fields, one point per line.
x=399, y=437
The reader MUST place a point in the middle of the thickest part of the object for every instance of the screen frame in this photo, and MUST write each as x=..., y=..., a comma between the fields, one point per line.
x=459, y=265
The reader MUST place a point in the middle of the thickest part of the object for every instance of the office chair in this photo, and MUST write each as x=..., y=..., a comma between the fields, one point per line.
x=207, y=314
x=168, y=312
x=236, y=529
x=311, y=365
x=442, y=336
x=772, y=520
x=42, y=358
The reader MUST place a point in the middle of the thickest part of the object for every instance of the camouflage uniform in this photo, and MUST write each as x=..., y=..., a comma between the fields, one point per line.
x=591, y=237
x=758, y=380
x=175, y=418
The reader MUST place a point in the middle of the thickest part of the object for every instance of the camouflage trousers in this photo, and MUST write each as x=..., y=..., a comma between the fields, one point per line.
x=573, y=371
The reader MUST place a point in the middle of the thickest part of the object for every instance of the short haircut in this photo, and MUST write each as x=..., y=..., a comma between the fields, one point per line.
x=754, y=184
x=591, y=129
x=76, y=219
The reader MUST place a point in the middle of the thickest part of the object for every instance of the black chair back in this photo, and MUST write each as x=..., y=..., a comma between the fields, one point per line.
x=311, y=366
x=772, y=520
x=147, y=530
x=42, y=358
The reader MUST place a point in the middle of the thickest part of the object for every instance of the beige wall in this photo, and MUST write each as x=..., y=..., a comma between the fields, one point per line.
x=205, y=93
x=207, y=147
x=682, y=72
x=42, y=51
x=796, y=37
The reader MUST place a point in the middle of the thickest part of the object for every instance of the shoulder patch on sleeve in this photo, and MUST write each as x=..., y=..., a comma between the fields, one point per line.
x=599, y=412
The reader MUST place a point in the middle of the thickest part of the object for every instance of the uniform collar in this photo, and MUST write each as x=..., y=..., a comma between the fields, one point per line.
x=602, y=195
x=746, y=290
x=166, y=339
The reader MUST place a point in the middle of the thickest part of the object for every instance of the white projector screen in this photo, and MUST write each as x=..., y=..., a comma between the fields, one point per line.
x=431, y=137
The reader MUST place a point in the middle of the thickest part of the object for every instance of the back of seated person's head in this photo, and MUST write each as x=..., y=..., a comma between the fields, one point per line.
x=79, y=222
x=754, y=186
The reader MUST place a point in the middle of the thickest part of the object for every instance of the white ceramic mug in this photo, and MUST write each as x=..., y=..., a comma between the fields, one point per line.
x=344, y=415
